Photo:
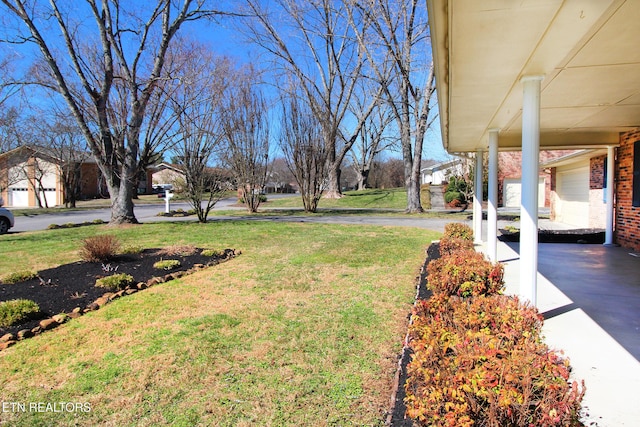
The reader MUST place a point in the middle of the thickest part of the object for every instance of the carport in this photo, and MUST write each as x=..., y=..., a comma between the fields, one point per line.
x=535, y=74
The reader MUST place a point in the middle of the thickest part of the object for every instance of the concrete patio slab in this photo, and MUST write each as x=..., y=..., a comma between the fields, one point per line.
x=590, y=296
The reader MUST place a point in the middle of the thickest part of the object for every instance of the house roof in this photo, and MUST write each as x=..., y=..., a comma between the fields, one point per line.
x=441, y=165
x=587, y=52
x=164, y=165
x=46, y=153
x=578, y=156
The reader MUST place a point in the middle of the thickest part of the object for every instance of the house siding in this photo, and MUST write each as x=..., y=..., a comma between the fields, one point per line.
x=627, y=217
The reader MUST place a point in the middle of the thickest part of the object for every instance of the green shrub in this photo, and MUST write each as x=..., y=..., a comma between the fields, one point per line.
x=451, y=245
x=458, y=230
x=167, y=264
x=464, y=273
x=53, y=227
x=17, y=310
x=450, y=196
x=19, y=276
x=99, y=248
x=115, y=281
x=132, y=250
x=212, y=252
x=481, y=362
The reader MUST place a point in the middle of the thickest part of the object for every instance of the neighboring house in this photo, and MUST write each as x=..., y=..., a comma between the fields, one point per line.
x=510, y=177
x=164, y=173
x=440, y=173
x=31, y=177
x=578, y=184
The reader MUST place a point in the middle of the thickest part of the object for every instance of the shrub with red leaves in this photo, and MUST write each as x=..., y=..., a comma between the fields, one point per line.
x=481, y=362
x=464, y=273
x=450, y=245
x=457, y=230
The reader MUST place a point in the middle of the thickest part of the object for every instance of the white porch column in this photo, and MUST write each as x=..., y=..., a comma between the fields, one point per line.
x=477, y=199
x=529, y=202
x=608, y=234
x=492, y=205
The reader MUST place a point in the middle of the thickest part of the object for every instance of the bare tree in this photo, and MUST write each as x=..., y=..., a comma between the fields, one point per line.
x=373, y=139
x=313, y=42
x=7, y=87
x=302, y=142
x=129, y=46
x=245, y=125
x=204, y=82
x=401, y=27
x=387, y=173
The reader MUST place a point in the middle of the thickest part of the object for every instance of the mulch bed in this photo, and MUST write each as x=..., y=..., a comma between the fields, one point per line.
x=583, y=235
x=67, y=287
x=397, y=415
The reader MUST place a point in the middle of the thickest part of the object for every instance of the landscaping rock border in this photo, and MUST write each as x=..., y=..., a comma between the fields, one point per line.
x=10, y=339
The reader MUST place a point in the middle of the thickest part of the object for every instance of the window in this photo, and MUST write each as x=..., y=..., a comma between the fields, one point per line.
x=636, y=175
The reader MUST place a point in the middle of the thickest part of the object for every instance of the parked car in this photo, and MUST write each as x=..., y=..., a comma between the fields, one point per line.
x=6, y=220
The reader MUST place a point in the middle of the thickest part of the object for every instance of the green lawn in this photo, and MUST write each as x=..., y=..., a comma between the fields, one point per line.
x=302, y=329
x=394, y=198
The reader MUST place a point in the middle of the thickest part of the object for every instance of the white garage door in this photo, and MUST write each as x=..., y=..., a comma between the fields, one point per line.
x=49, y=194
x=513, y=189
x=572, y=187
x=18, y=197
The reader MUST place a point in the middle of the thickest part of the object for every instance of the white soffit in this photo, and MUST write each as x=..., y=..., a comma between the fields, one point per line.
x=586, y=49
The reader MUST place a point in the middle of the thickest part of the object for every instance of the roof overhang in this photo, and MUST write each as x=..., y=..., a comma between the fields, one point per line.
x=586, y=50
x=577, y=157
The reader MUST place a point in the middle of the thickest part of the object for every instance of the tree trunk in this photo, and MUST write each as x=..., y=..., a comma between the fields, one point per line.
x=333, y=180
x=122, y=204
x=363, y=178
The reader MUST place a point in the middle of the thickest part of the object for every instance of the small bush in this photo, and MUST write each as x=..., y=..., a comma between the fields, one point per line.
x=451, y=245
x=167, y=264
x=451, y=196
x=99, y=248
x=132, y=250
x=212, y=253
x=53, y=227
x=16, y=311
x=464, y=273
x=481, y=362
x=458, y=230
x=115, y=281
x=18, y=276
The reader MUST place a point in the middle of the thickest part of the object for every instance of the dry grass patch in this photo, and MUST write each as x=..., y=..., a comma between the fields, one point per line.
x=179, y=249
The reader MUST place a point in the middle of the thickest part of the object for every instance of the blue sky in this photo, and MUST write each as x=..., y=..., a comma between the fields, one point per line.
x=224, y=38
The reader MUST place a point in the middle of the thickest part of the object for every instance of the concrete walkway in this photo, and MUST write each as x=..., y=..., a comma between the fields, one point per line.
x=590, y=297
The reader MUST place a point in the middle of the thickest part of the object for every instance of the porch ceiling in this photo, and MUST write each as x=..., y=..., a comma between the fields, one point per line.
x=587, y=51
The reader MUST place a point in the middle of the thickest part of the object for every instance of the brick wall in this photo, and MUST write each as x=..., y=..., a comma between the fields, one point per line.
x=597, y=206
x=627, y=217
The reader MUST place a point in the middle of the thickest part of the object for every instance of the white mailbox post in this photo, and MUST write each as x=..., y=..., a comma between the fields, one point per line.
x=168, y=195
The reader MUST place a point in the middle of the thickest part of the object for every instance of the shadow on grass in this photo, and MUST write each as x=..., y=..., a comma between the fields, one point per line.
x=290, y=212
